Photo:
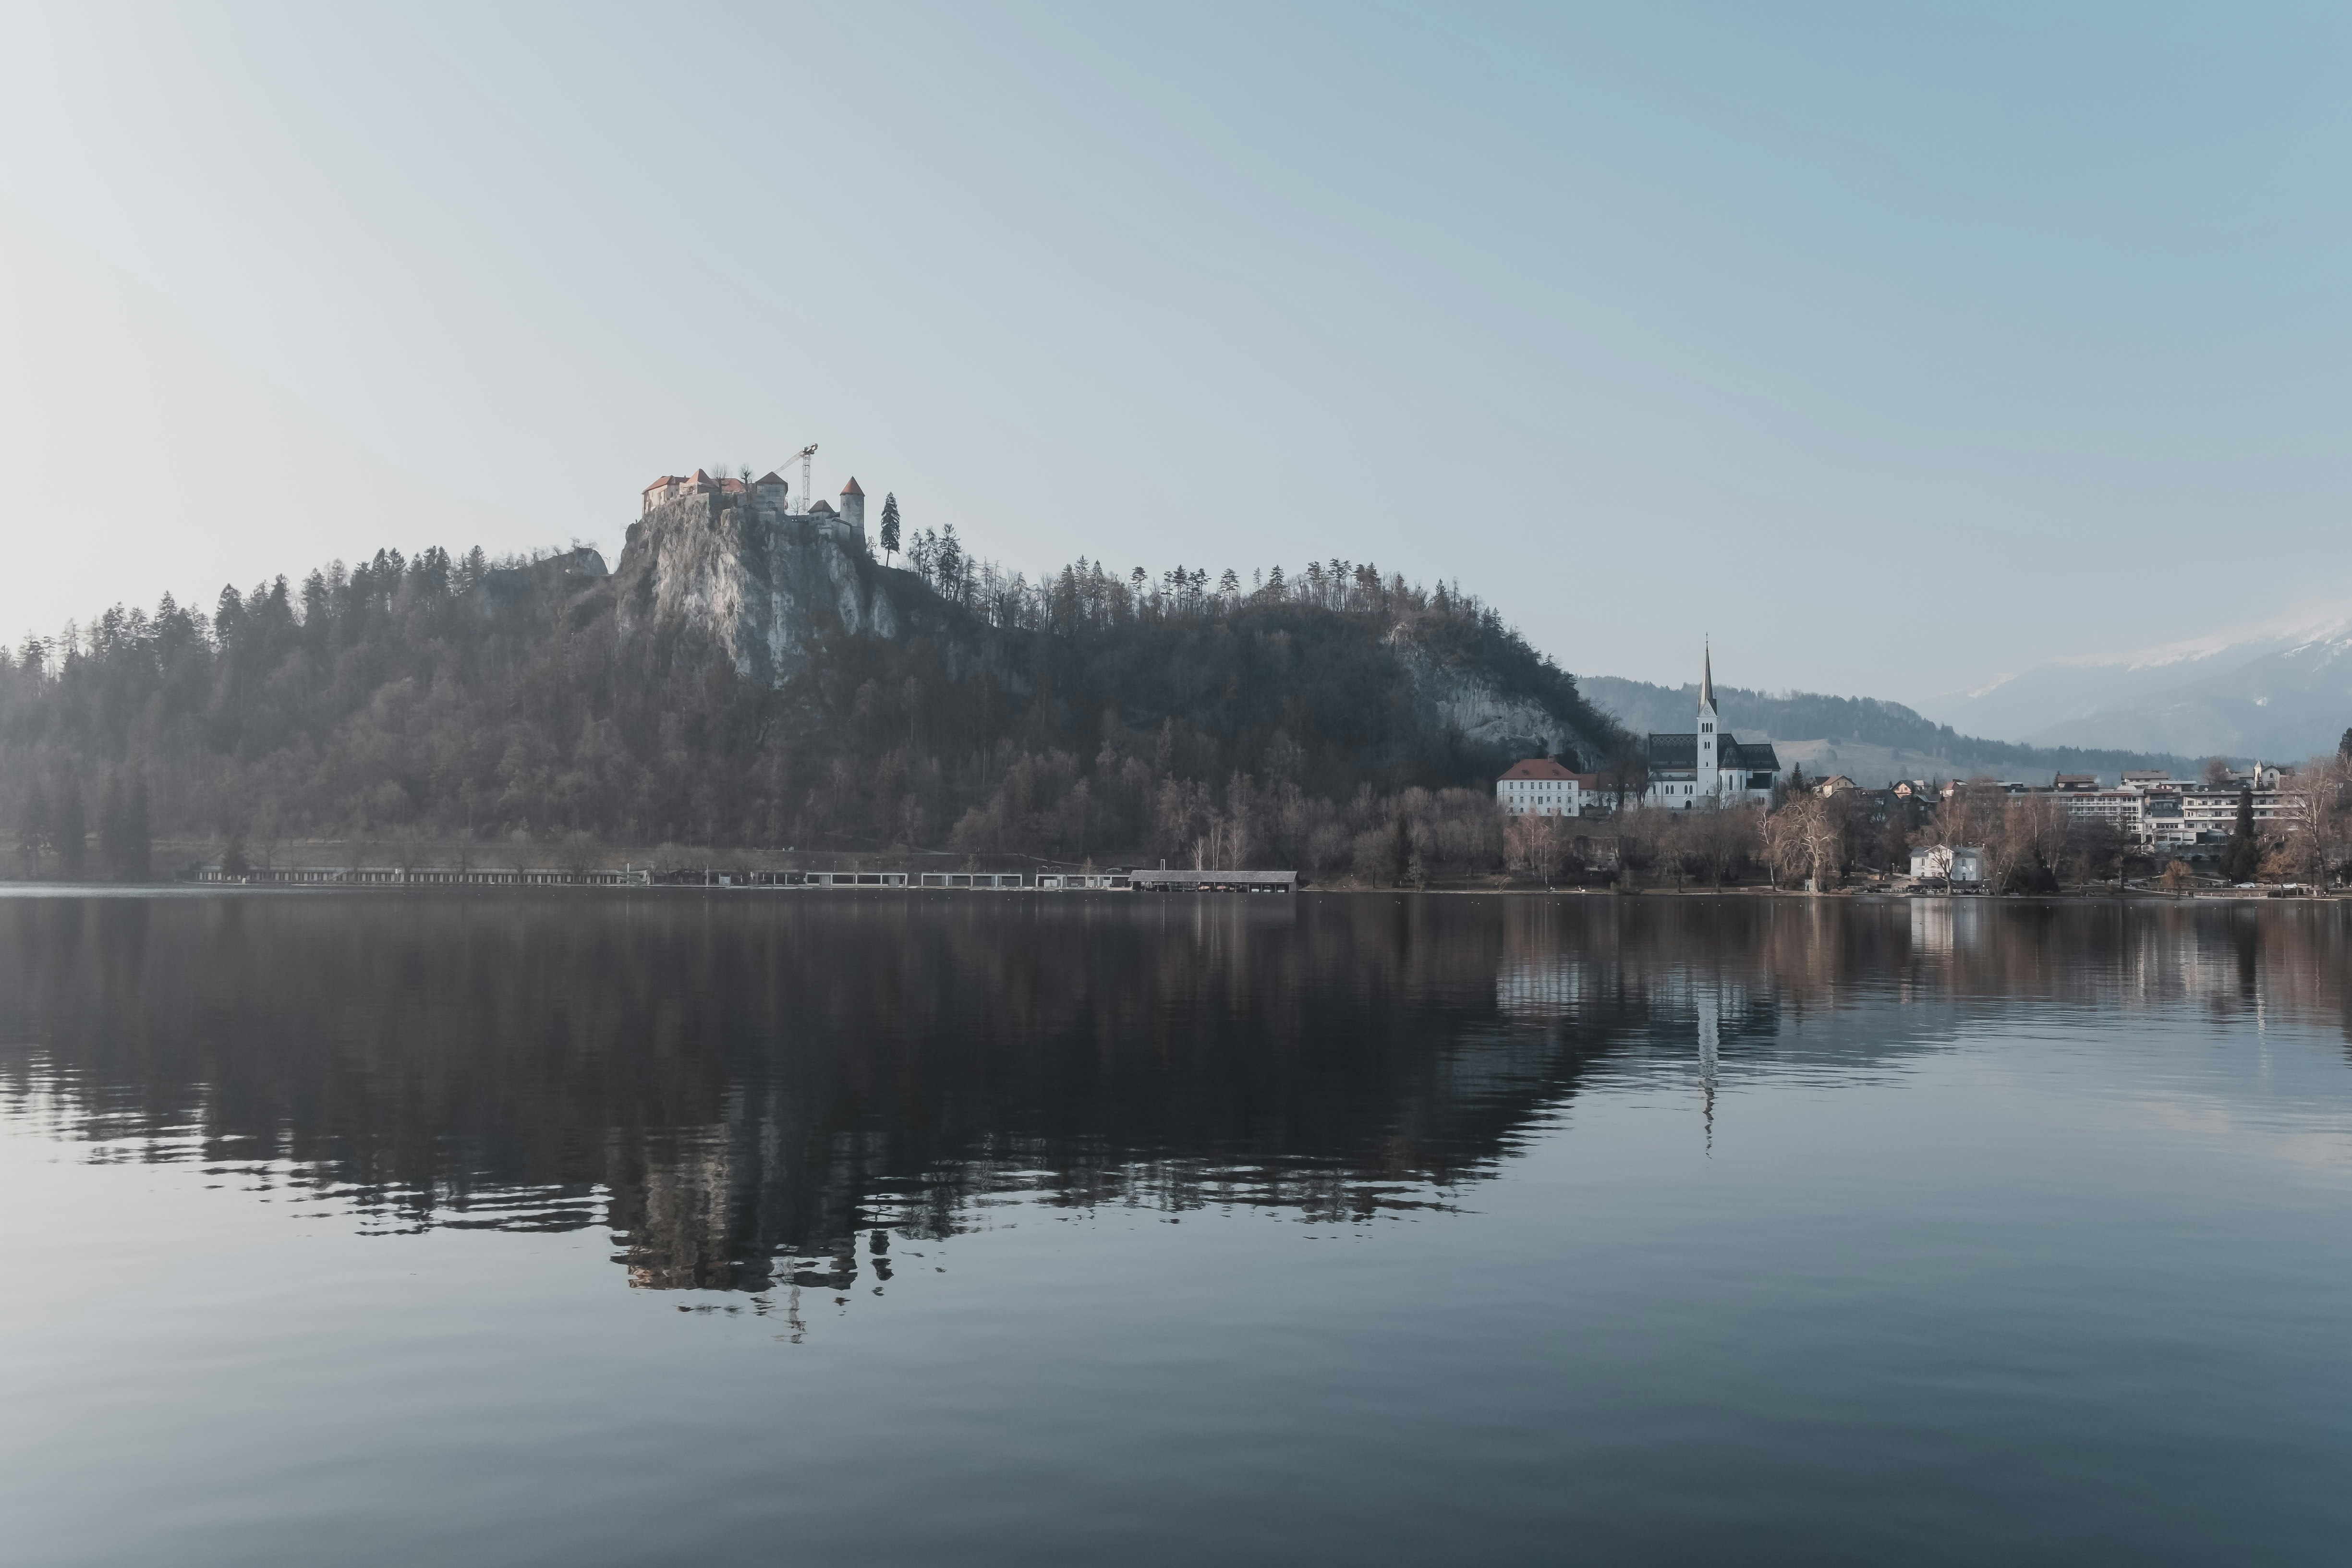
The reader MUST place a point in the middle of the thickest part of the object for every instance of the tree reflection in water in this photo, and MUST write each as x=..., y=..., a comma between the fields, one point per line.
x=742, y=1086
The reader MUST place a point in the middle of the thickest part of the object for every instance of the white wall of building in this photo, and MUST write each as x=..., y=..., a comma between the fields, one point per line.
x=1954, y=862
x=1540, y=797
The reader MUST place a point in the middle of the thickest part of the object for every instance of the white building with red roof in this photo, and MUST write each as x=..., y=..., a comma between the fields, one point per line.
x=1539, y=787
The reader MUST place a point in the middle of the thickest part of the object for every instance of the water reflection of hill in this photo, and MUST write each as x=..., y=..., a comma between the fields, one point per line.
x=739, y=1086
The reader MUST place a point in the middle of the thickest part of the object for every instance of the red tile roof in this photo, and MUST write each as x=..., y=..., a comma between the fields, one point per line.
x=1537, y=768
x=851, y=488
x=771, y=477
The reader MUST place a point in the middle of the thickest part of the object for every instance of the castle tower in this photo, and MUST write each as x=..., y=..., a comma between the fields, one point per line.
x=1710, y=725
x=771, y=498
x=852, y=508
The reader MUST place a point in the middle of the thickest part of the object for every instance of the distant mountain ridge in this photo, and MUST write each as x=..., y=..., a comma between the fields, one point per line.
x=1861, y=737
x=2279, y=690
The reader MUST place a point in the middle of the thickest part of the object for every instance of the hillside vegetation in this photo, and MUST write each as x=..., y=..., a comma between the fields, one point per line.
x=1304, y=721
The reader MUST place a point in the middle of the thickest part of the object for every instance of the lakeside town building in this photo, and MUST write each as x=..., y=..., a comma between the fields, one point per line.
x=1950, y=862
x=1709, y=766
x=1540, y=787
x=2154, y=811
x=1706, y=768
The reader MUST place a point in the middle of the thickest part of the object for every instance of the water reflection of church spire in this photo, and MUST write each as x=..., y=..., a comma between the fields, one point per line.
x=1710, y=1047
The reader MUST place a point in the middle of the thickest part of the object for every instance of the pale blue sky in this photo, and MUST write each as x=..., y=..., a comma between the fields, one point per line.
x=1888, y=345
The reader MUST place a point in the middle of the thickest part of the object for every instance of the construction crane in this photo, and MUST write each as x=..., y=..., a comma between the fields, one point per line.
x=804, y=454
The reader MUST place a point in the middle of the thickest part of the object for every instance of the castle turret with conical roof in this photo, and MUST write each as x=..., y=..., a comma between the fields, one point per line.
x=852, y=508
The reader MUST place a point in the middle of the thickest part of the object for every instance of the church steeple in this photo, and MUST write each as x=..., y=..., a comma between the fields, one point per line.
x=1710, y=750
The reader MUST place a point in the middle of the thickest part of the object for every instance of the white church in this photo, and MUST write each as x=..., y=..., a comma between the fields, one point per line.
x=1709, y=767
x=1703, y=769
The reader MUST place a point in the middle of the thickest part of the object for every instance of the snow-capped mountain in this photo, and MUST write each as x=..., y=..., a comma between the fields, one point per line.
x=2280, y=689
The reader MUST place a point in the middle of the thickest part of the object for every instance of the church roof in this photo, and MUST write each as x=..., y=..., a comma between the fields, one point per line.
x=1707, y=679
x=1670, y=754
x=1674, y=751
x=1537, y=768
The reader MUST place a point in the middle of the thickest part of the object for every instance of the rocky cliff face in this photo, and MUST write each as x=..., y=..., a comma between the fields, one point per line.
x=765, y=586
x=772, y=589
x=1470, y=702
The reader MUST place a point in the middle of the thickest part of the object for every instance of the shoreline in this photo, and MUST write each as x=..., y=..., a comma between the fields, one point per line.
x=22, y=887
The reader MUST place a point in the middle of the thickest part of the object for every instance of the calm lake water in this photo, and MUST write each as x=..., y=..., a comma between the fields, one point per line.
x=957, y=1229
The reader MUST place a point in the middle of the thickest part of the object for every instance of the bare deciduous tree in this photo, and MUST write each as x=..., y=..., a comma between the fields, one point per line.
x=1534, y=844
x=2318, y=801
x=1804, y=838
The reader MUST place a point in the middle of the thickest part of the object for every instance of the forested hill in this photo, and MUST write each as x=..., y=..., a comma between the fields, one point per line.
x=1926, y=745
x=1086, y=715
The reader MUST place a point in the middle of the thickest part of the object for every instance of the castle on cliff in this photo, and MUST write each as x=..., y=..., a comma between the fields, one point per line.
x=768, y=498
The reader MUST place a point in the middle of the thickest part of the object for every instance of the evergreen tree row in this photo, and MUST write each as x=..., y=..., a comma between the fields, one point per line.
x=1084, y=713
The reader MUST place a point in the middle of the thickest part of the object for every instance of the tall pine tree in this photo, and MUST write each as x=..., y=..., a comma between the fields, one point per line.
x=890, y=524
x=2243, y=855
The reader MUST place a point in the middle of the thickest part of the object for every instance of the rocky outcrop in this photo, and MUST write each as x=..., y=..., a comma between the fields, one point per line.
x=772, y=589
x=1471, y=704
x=766, y=586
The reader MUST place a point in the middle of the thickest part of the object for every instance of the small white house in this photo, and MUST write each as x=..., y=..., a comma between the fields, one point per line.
x=1952, y=862
x=1539, y=787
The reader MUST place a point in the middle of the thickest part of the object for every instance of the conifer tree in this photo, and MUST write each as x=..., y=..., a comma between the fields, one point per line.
x=950, y=564
x=890, y=524
x=2243, y=854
